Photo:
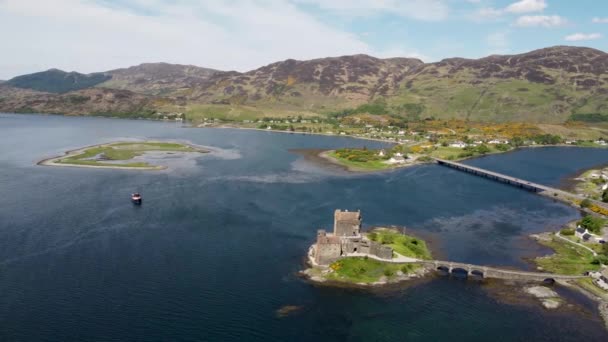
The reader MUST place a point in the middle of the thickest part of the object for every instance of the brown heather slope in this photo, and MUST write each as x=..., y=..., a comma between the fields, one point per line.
x=159, y=78
x=546, y=85
x=93, y=101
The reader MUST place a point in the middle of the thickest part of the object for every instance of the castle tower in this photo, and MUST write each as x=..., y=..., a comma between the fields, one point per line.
x=347, y=223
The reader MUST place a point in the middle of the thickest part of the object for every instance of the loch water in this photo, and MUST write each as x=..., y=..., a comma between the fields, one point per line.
x=214, y=250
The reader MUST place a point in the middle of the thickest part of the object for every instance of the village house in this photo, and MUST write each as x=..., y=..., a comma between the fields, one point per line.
x=587, y=236
x=600, y=278
x=397, y=158
x=458, y=144
x=345, y=240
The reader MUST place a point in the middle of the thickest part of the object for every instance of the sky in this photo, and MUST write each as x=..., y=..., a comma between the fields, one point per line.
x=100, y=35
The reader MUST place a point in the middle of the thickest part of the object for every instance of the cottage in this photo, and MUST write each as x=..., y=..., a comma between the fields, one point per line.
x=395, y=159
x=458, y=144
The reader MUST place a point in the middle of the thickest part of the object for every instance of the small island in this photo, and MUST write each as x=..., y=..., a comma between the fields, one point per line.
x=349, y=256
x=367, y=160
x=122, y=155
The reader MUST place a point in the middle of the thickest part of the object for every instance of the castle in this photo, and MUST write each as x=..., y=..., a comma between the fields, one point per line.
x=346, y=239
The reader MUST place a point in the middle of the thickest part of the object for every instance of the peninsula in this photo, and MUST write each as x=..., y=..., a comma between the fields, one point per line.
x=133, y=155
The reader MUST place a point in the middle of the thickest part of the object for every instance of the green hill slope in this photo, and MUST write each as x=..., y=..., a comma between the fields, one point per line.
x=57, y=81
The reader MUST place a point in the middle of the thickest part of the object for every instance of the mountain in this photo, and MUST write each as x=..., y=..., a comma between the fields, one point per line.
x=159, y=78
x=96, y=101
x=57, y=81
x=546, y=85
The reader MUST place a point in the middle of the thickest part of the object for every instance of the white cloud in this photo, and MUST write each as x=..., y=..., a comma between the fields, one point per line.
x=498, y=42
x=487, y=13
x=577, y=37
x=398, y=51
x=526, y=6
x=428, y=10
x=597, y=20
x=540, y=21
x=87, y=36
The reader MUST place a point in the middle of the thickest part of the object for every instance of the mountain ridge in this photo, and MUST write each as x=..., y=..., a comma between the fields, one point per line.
x=543, y=85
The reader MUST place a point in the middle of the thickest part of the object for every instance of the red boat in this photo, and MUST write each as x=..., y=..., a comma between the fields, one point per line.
x=136, y=198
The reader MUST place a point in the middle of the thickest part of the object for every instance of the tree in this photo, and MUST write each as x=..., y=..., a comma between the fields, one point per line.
x=605, y=196
x=483, y=149
x=517, y=141
x=586, y=203
x=592, y=223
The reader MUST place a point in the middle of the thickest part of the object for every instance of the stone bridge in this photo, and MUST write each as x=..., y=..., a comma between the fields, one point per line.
x=493, y=272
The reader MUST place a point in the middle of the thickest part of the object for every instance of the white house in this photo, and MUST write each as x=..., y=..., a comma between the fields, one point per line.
x=395, y=159
x=458, y=144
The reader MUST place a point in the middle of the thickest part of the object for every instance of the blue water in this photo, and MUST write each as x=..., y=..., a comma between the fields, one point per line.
x=214, y=250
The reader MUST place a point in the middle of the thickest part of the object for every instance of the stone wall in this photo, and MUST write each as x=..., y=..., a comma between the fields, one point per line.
x=380, y=250
x=325, y=254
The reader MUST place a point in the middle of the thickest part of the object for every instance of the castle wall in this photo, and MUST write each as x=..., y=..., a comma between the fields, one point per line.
x=325, y=254
x=381, y=251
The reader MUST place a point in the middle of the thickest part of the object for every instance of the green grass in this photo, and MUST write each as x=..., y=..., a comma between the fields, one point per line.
x=365, y=270
x=446, y=152
x=123, y=151
x=568, y=258
x=455, y=153
x=587, y=284
x=367, y=165
x=403, y=244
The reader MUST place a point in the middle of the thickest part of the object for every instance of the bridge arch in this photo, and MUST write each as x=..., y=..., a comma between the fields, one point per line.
x=460, y=272
x=477, y=273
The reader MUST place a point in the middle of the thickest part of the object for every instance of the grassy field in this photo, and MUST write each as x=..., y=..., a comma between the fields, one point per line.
x=121, y=152
x=365, y=270
x=367, y=165
x=403, y=244
x=455, y=153
x=568, y=258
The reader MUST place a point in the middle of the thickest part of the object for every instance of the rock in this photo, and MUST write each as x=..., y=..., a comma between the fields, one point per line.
x=318, y=279
x=399, y=273
x=549, y=298
x=287, y=310
x=541, y=292
x=552, y=303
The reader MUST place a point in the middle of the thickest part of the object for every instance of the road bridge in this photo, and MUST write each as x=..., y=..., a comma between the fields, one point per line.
x=493, y=272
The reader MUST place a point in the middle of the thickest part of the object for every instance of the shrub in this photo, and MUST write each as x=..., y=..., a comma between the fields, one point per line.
x=567, y=231
x=586, y=203
x=592, y=223
x=600, y=259
x=387, y=240
x=372, y=236
x=388, y=272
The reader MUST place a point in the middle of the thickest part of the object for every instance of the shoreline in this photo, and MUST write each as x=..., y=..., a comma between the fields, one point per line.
x=321, y=158
x=54, y=161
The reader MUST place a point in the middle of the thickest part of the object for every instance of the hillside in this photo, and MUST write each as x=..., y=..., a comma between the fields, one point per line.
x=94, y=101
x=57, y=81
x=541, y=86
x=158, y=78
